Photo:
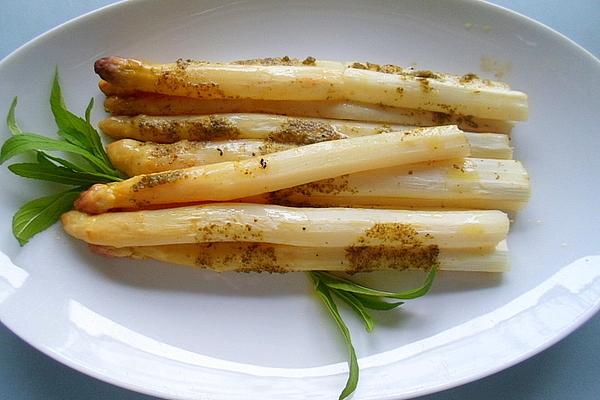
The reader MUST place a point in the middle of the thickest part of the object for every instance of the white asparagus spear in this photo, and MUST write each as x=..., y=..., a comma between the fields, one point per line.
x=224, y=81
x=299, y=130
x=135, y=158
x=490, y=145
x=466, y=184
x=434, y=95
x=309, y=83
x=275, y=171
x=155, y=104
x=311, y=227
x=470, y=79
x=261, y=257
x=111, y=89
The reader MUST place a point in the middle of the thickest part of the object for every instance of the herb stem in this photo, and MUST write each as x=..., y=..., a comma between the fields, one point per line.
x=325, y=295
x=359, y=298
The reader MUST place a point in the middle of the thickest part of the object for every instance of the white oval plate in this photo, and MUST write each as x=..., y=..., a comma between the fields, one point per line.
x=187, y=334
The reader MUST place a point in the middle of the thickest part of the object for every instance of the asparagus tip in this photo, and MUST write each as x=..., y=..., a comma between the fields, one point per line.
x=107, y=66
x=91, y=201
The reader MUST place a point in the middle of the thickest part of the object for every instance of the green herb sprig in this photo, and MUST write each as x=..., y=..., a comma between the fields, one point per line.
x=78, y=138
x=360, y=299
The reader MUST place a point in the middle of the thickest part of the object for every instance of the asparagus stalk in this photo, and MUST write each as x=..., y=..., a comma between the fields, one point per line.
x=223, y=81
x=460, y=184
x=275, y=171
x=310, y=83
x=311, y=227
x=299, y=130
x=154, y=104
x=434, y=94
x=469, y=79
x=490, y=145
x=135, y=158
x=262, y=257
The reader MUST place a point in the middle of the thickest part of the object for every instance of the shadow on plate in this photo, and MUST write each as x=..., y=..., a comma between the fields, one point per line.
x=155, y=275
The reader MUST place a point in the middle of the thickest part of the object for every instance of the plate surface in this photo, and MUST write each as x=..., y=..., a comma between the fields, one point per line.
x=180, y=333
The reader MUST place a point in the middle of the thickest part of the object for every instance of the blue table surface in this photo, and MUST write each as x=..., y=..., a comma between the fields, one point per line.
x=568, y=370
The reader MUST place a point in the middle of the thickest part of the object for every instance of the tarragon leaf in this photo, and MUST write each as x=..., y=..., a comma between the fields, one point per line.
x=47, y=171
x=325, y=295
x=25, y=142
x=11, y=122
x=376, y=303
x=39, y=214
x=346, y=285
x=96, y=177
x=61, y=161
x=357, y=306
x=77, y=130
x=88, y=110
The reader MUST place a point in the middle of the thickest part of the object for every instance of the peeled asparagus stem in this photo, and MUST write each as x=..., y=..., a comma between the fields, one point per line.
x=431, y=92
x=299, y=130
x=156, y=104
x=261, y=257
x=275, y=171
x=223, y=81
x=440, y=95
x=135, y=158
x=469, y=79
x=464, y=184
x=490, y=145
x=311, y=227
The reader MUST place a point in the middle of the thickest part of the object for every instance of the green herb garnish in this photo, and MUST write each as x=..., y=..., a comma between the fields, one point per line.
x=78, y=138
x=359, y=298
